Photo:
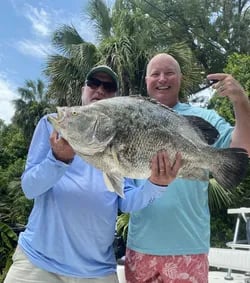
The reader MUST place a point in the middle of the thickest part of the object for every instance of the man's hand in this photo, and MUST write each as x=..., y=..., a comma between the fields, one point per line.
x=61, y=148
x=228, y=86
x=163, y=172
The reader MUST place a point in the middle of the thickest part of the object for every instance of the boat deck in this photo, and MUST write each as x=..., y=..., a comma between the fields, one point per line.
x=219, y=277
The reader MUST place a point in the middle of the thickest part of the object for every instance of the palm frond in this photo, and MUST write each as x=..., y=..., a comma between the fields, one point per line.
x=41, y=90
x=64, y=37
x=218, y=197
x=26, y=94
x=67, y=74
x=19, y=104
x=99, y=15
x=122, y=225
x=83, y=56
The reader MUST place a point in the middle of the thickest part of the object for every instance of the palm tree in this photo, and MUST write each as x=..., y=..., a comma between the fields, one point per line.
x=67, y=69
x=33, y=91
x=124, y=43
x=31, y=106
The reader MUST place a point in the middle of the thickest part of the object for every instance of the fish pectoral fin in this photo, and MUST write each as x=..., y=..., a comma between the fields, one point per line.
x=114, y=183
x=206, y=131
x=103, y=130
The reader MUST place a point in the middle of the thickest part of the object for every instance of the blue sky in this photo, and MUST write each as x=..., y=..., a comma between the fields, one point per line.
x=25, y=30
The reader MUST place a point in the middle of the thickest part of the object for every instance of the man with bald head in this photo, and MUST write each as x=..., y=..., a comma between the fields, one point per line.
x=168, y=241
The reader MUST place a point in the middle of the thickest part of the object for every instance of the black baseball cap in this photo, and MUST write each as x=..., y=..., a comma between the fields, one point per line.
x=103, y=69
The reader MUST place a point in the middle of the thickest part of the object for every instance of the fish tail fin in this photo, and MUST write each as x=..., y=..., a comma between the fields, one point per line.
x=231, y=167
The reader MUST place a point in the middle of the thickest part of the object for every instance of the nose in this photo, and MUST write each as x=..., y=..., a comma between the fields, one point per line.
x=100, y=90
x=162, y=77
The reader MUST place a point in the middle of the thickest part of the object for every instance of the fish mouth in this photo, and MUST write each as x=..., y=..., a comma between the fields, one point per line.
x=56, y=120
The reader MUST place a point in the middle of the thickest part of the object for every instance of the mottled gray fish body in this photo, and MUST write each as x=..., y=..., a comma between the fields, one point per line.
x=120, y=135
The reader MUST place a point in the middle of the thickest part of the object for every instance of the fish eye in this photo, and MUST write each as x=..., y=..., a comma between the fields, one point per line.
x=74, y=113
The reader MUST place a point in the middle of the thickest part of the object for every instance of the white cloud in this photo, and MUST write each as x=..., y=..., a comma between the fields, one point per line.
x=7, y=94
x=39, y=19
x=34, y=49
x=44, y=22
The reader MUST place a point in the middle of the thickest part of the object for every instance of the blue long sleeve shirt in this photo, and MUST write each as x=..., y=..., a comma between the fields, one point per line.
x=71, y=228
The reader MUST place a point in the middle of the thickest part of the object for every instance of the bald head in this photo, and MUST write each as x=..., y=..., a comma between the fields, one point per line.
x=163, y=79
x=163, y=57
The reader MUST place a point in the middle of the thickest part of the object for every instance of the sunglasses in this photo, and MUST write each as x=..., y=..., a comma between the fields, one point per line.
x=107, y=86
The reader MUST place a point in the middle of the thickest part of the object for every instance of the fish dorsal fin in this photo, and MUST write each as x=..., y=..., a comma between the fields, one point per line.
x=205, y=130
x=153, y=100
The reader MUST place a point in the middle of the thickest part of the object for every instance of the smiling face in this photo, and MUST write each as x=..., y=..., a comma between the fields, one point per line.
x=163, y=79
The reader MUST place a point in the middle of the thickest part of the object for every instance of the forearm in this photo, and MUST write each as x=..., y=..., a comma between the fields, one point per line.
x=241, y=133
x=227, y=86
x=138, y=197
x=39, y=178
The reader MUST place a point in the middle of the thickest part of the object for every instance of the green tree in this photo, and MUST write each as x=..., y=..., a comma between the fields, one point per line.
x=238, y=65
x=212, y=29
x=8, y=241
x=125, y=43
x=33, y=91
x=222, y=225
x=14, y=207
x=12, y=145
x=67, y=69
x=131, y=42
x=31, y=106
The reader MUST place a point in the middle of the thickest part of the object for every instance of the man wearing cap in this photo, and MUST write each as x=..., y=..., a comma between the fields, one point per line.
x=70, y=232
x=101, y=82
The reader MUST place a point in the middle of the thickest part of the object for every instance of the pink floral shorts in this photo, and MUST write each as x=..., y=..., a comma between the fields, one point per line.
x=143, y=268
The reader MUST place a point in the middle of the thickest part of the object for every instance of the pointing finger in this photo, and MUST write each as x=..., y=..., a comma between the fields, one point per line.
x=217, y=76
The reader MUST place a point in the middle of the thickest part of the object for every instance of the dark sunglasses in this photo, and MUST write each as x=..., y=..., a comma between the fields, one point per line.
x=95, y=83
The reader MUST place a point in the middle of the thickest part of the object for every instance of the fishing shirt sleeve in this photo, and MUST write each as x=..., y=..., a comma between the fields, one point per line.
x=42, y=170
x=139, y=194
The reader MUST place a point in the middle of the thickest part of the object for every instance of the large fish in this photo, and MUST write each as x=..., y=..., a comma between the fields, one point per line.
x=120, y=135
